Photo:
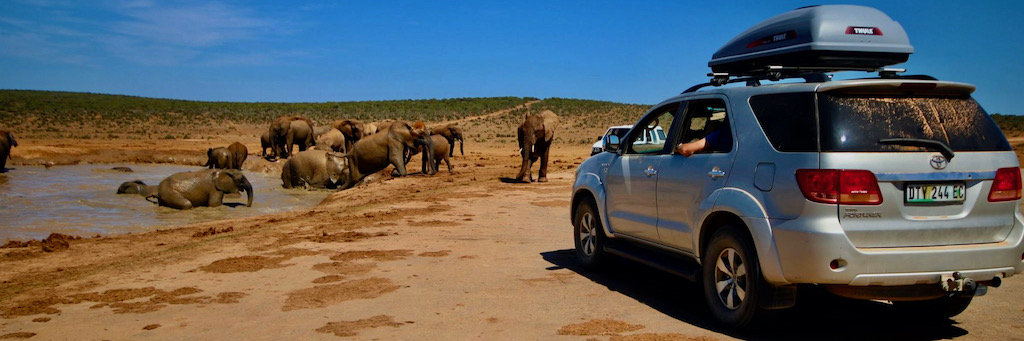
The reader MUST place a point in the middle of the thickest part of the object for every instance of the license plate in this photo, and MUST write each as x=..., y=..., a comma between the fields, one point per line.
x=925, y=193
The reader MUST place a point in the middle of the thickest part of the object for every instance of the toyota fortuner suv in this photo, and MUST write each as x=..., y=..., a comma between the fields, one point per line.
x=897, y=188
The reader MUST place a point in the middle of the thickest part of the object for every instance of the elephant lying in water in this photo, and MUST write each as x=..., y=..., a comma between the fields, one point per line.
x=137, y=187
x=206, y=187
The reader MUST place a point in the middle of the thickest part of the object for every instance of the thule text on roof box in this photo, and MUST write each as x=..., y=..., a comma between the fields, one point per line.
x=817, y=38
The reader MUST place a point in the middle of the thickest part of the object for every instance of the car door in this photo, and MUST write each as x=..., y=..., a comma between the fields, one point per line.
x=685, y=182
x=631, y=183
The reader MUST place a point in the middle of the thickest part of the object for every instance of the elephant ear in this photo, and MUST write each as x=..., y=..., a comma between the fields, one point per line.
x=224, y=182
x=550, y=122
x=419, y=129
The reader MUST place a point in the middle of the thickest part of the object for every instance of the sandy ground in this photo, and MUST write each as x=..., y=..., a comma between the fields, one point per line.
x=445, y=257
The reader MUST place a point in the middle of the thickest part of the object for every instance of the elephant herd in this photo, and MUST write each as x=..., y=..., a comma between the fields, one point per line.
x=346, y=152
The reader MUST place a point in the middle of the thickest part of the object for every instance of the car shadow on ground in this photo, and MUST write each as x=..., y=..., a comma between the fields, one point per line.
x=817, y=315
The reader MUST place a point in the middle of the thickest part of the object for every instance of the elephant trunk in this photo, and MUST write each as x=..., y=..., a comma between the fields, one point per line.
x=462, y=143
x=247, y=187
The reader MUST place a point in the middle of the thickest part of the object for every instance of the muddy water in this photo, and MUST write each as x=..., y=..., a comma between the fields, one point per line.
x=81, y=200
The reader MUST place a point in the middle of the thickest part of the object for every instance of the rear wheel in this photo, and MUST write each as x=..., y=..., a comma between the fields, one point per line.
x=732, y=278
x=589, y=235
x=934, y=309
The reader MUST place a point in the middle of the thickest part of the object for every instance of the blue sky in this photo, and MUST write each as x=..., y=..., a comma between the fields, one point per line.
x=278, y=51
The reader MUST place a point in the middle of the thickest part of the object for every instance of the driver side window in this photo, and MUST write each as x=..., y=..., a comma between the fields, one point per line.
x=648, y=137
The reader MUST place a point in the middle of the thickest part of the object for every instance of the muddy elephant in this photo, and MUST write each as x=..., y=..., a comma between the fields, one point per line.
x=6, y=143
x=137, y=187
x=314, y=169
x=287, y=131
x=451, y=133
x=441, y=150
x=535, y=137
x=220, y=158
x=265, y=142
x=375, y=152
x=206, y=187
x=352, y=129
x=332, y=140
x=239, y=153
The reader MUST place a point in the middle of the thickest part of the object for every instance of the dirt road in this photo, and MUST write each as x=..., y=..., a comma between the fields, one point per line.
x=448, y=257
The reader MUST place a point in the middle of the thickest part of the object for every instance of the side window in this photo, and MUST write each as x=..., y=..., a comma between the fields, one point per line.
x=648, y=136
x=787, y=120
x=707, y=119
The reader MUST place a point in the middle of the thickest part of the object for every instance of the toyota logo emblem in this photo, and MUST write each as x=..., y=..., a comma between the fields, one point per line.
x=938, y=162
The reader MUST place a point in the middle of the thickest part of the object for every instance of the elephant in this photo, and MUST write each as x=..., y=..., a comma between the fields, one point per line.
x=451, y=133
x=239, y=153
x=352, y=129
x=6, y=143
x=206, y=187
x=266, y=143
x=535, y=136
x=370, y=128
x=137, y=187
x=287, y=131
x=314, y=169
x=332, y=140
x=219, y=157
x=320, y=130
x=441, y=150
x=375, y=152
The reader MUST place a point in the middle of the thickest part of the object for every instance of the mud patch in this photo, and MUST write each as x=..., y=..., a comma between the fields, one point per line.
x=211, y=231
x=325, y=295
x=432, y=223
x=378, y=255
x=122, y=301
x=660, y=337
x=441, y=253
x=562, y=278
x=349, y=328
x=599, y=327
x=18, y=335
x=329, y=279
x=244, y=264
x=344, y=268
x=346, y=237
x=151, y=327
x=41, y=319
x=555, y=203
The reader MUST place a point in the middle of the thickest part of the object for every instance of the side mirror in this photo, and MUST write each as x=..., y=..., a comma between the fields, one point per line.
x=611, y=143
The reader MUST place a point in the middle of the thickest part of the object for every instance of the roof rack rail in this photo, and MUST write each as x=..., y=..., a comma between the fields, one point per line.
x=809, y=74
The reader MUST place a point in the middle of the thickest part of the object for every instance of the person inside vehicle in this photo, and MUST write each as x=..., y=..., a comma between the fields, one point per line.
x=718, y=140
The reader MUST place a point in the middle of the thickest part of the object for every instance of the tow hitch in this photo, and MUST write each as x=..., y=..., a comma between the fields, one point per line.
x=956, y=283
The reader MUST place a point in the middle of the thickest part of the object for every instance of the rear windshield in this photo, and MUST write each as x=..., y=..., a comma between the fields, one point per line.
x=857, y=123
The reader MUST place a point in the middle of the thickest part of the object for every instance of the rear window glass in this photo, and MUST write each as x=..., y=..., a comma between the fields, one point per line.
x=787, y=120
x=857, y=123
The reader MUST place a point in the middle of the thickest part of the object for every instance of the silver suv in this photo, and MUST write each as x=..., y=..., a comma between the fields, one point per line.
x=897, y=188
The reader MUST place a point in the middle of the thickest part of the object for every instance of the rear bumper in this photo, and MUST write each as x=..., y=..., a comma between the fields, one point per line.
x=807, y=253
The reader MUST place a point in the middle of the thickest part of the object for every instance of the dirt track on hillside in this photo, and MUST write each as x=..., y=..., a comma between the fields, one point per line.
x=444, y=257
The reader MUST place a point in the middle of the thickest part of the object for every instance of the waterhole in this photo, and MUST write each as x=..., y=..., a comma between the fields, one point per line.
x=81, y=200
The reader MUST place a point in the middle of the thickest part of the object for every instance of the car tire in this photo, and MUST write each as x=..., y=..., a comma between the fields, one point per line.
x=732, y=278
x=937, y=309
x=589, y=235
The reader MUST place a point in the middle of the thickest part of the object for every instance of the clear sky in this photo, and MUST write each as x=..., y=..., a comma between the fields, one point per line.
x=281, y=51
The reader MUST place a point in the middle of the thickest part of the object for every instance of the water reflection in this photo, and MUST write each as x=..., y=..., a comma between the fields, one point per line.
x=82, y=200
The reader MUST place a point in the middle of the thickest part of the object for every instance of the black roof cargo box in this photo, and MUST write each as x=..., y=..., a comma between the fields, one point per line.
x=823, y=38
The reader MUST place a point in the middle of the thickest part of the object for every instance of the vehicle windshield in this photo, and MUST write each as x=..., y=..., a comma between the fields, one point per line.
x=857, y=123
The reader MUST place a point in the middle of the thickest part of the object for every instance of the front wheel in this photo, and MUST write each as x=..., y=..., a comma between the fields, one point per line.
x=589, y=235
x=732, y=278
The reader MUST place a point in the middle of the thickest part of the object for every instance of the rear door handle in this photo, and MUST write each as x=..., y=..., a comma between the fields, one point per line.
x=716, y=173
x=650, y=171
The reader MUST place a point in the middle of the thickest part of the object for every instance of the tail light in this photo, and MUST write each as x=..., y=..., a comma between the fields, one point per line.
x=1006, y=186
x=839, y=186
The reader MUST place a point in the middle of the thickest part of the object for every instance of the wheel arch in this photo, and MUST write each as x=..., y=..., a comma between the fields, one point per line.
x=742, y=209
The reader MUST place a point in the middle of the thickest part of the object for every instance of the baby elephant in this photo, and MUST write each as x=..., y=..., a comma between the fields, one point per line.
x=206, y=187
x=137, y=187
